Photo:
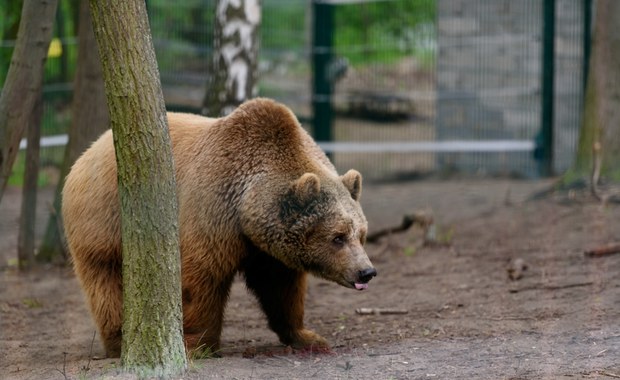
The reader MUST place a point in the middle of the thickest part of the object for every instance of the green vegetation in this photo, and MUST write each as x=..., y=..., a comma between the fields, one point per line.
x=51, y=155
x=182, y=34
x=60, y=65
x=56, y=120
x=384, y=31
x=9, y=22
x=32, y=303
x=365, y=33
x=283, y=25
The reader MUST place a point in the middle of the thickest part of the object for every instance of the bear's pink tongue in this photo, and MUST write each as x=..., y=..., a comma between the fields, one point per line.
x=361, y=286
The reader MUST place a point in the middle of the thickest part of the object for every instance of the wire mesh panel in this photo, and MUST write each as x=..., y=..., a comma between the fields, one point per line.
x=183, y=39
x=285, y=67
x=387, y=92
x=570, y=60
x=489, y=81
x=410, y=78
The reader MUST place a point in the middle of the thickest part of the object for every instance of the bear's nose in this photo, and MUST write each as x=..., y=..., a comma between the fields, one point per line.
x=367, y=275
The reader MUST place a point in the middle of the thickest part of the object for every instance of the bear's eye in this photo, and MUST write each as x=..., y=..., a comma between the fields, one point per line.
x=339, y=239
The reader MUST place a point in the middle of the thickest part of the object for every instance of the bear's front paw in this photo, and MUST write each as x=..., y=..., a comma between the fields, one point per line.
x=307, y=339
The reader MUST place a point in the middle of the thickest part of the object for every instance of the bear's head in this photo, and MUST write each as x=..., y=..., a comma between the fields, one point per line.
x=314, y=223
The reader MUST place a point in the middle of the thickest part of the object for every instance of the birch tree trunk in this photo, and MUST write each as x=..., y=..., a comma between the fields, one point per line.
x=235, y=59
x=89, y=120
x=152, y=343
x=24, y=79
x=601, y=121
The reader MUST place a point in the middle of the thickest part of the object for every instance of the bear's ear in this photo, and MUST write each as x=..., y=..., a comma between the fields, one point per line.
x=307, y=186
x=352, y=180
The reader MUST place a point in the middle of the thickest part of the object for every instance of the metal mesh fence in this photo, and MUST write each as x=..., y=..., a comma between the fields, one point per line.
x=490, y=80
x=418, y=85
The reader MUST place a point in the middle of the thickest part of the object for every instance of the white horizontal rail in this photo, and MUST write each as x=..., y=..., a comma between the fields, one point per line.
x=382, y=147
x=429, y=146
x=48, y=141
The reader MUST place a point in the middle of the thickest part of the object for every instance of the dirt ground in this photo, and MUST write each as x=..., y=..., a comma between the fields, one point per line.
x=464, y=318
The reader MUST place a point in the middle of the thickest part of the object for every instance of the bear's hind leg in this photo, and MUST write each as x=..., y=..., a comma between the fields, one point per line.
x=103, y=287
x=204, y=300
x=281, y=292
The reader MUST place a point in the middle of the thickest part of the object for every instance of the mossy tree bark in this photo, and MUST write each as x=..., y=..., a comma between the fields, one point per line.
x=24, y=79
x=152, y=343
x=601, y=120
x=234, y=69
x=89, y=120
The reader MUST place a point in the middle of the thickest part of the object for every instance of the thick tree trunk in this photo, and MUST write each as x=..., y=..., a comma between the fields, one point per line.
x=235, y=58
x=601, y=121
x=152, y=343
x=90, y=119
x=24, y=79
x=25, y=238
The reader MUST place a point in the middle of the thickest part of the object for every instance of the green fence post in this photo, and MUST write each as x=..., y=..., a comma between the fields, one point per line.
x=322, y=43
x=587, y=41
x=547, y=92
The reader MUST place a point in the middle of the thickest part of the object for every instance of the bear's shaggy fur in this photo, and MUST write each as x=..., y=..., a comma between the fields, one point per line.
x=256, y=195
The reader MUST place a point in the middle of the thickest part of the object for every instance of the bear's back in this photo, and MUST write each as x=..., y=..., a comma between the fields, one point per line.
x=215, y=160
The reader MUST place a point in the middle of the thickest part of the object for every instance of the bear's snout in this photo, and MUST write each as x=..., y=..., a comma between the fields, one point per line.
x=366, y=275
x=363, y=277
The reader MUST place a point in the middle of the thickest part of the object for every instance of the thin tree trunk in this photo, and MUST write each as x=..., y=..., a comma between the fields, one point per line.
x=601, y=120
x=25, y=239
x=90, y=119
x=152, y=344
x=24, y=79
x=235, y=59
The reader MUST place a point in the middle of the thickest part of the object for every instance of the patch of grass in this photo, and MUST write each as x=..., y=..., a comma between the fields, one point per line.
x=445, y=235
x=17, y=175
x=12, y=262
x=202, y=352
x=410, y=250
x=32, y=303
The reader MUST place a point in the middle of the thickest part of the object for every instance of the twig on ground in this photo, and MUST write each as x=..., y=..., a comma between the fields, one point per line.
x=423, y=219
x=90, y=354
x=64, y=367
x=383, y=311
x=551, y=287
x=509, y=318
x=608, y=374
x=605, y=250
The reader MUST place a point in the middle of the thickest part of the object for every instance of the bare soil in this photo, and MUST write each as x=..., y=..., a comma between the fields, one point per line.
x=464, y=317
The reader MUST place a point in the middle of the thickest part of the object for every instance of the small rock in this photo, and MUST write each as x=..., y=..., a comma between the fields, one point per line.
x=515, y=269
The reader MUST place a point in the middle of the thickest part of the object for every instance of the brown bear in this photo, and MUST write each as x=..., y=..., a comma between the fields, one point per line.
x=256, y=196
